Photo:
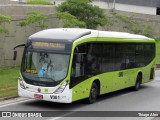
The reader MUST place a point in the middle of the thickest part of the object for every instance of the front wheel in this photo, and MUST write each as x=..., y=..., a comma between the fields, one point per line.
x=138, y=83
x=93, y=93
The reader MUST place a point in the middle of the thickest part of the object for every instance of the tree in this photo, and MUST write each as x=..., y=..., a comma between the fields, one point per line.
x=4, y=18
x=70, y=20
x=35, y=17
x=84, y=11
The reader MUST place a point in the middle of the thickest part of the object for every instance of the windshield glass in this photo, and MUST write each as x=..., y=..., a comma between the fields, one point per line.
x=43, y=66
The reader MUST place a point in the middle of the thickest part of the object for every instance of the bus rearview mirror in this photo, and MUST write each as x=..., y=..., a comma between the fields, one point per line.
x=15, y=55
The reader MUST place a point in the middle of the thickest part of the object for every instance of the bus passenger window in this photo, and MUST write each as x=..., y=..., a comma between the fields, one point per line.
x=107, y=58
x=94, y=59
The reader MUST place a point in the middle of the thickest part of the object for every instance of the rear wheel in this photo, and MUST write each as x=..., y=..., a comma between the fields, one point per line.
x=138, y=83
x=93, y=93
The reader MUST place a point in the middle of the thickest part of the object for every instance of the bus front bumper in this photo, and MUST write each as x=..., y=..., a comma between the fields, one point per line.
x=64, y=97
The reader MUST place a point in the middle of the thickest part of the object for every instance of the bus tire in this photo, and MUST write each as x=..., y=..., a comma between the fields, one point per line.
x=138, y=83
x=93, y=93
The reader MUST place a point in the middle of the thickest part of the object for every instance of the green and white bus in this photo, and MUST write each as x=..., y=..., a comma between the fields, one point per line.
x=68, y=64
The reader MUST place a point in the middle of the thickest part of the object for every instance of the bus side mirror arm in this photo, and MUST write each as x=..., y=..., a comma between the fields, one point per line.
x=15, y=51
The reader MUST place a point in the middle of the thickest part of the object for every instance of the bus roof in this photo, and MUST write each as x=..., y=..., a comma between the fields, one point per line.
x=121, y=35
x=72, y=34
x=62, y=34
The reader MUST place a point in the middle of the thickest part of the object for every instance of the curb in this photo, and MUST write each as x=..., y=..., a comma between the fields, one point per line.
x=12, y=100
x=8, y=98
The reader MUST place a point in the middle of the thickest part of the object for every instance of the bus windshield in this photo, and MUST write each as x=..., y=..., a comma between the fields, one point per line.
x=46, y=67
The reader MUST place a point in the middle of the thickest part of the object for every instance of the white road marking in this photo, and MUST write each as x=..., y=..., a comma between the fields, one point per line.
x=149, y=118
x=127, y=94
x=56, y=118
x=17, y=102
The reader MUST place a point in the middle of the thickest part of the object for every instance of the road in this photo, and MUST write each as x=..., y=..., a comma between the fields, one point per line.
x=121, y=7
x=146, y=99
x=126, y=7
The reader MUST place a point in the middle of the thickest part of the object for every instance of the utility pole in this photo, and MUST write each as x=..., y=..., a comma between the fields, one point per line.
x=114, y=2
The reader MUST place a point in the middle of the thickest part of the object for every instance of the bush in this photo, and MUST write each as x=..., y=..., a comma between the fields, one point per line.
x=6, y=19
x=70, y=20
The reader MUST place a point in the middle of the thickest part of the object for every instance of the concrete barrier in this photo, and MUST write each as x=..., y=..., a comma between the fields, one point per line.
x=18, y=34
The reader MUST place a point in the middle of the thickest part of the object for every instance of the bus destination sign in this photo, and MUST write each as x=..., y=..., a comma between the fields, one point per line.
x=49, y=45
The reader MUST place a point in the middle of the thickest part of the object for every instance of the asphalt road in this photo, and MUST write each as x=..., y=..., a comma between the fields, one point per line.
x=146, y=99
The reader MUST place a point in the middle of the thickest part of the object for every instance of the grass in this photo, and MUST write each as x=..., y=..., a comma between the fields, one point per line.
x=8, y=94
x=39, y=2
x=8, y=81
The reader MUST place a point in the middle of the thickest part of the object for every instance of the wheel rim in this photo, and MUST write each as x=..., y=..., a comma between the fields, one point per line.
x=93, y=93
x=138, y=84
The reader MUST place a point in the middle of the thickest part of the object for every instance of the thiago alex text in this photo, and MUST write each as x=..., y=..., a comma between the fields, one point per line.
x=152, y=114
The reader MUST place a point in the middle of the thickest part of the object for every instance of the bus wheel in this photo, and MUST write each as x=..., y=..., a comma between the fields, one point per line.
x=93, y=93
x=138, y=83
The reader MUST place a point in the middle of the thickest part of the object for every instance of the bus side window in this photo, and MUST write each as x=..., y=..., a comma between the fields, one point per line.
x=107, y=58
x=94, y=59
x=139, y=55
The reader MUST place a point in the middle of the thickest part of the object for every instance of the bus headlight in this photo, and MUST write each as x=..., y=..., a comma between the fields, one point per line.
x=21, y=83
x=61, y=88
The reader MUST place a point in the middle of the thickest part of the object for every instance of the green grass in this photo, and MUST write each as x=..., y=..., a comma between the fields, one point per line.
x=39, y=2
x=9, y=93
x=8, y=81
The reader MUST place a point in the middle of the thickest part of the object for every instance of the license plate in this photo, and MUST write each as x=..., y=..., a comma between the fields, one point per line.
x=37, y=96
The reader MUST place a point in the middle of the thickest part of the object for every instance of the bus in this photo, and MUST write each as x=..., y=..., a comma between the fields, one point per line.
x=69, y=64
